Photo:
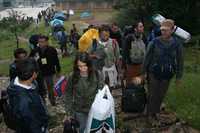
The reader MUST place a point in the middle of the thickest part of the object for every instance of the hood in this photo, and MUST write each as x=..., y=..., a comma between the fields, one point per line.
x=14, y=89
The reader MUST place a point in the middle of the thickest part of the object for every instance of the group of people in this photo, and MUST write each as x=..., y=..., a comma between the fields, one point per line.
x=109, y=60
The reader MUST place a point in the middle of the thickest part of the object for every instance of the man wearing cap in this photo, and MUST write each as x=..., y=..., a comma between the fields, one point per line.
x=163, y=61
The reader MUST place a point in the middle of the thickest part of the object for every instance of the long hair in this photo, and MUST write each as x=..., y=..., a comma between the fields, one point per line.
x=83, y=57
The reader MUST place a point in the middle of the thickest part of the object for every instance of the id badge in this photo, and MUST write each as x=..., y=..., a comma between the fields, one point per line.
x=44, y=61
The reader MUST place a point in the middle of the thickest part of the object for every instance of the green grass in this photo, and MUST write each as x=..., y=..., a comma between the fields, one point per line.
x=66, y=65
x=4, y=69
x=8, y=46
x=185, y=100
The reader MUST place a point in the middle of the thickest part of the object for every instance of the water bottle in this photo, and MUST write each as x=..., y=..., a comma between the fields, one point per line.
x=184, y=35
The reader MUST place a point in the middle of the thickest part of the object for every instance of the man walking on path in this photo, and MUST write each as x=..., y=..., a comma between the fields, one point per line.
x=48, y=61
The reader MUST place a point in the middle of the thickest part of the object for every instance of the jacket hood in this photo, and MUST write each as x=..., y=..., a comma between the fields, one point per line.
x=14, y=89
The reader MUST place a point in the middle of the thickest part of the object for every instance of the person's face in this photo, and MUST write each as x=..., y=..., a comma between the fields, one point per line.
x=82, y=67
x=21, y=56
x=42, y=42
x=104, y=35
x=140, y=27
x=166, y=33
x=114, y=28
x=35, y=75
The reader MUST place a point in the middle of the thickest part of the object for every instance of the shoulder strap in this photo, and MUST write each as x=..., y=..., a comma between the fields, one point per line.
x=114, y=43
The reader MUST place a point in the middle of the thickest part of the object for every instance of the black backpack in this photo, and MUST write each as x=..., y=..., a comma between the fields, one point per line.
x=8, y=114
x=165, y=67
x=133, y=99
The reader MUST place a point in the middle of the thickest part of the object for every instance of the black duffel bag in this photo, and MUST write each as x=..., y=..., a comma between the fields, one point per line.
x=133, y=99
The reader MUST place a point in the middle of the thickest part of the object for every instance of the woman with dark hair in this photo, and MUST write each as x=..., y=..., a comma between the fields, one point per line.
x=134, y=52
x=82, y=87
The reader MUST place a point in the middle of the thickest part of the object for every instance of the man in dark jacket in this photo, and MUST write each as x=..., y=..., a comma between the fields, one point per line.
x=163, y=60
x=26, y=104
x=49, y=65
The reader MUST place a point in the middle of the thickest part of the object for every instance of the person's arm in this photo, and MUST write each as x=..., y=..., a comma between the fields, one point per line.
x=148, y=58
x=100, y=80
x=68, y=98
x=127, y=47
x=56, y=61
x=116, y=51
x=180, y=62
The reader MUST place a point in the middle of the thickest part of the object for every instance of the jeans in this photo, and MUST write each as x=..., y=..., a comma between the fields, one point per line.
x=82, y=119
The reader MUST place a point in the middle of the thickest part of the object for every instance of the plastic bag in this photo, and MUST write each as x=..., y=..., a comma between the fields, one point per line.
x=102, y=113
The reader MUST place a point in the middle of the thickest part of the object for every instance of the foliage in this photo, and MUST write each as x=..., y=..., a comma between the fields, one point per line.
x=14, y=24
x=184, y=12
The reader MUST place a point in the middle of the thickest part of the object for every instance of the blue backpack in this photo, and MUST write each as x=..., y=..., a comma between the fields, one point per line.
x=165, y=67
x=61, y=37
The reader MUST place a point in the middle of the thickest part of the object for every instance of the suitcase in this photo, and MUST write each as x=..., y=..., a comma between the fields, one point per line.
x=133, y=99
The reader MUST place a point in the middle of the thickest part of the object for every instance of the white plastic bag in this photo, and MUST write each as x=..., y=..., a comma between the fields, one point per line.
x=102, y=113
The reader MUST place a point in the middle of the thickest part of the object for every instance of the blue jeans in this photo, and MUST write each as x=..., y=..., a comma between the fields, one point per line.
x=82, y=119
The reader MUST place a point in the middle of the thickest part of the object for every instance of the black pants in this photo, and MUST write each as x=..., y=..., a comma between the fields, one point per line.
x=156, y=93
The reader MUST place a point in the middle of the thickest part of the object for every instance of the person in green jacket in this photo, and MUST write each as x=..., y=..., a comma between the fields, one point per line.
x=81, y=90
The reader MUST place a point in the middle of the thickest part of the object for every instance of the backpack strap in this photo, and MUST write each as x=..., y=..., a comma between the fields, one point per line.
x=159, y=44
x=114, y=45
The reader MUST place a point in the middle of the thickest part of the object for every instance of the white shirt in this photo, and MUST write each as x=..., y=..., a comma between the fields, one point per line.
x=17, y=83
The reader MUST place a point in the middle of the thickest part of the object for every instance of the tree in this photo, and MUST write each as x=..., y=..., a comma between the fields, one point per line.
x=184, y=12
x=16, y=23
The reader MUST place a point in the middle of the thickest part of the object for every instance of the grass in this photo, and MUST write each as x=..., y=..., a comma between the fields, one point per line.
x=4, y=69
x=185, y=100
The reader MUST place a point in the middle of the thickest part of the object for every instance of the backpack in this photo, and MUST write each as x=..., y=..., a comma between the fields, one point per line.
x=62, y=38
x=137, y=51
x=8, y=114
x=165, y=67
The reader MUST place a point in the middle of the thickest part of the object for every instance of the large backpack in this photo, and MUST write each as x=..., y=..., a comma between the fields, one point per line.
x=8, y=114
x=133, y=99
x=61, y=37
x=165, y=66
x=137, y=51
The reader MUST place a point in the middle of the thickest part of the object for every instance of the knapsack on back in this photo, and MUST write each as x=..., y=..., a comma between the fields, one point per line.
x=165, y=67
x=8, y=114
x=62, y=38
x=137, y=51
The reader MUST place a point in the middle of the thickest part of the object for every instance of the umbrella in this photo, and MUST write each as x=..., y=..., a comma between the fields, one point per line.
x=56, y=22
